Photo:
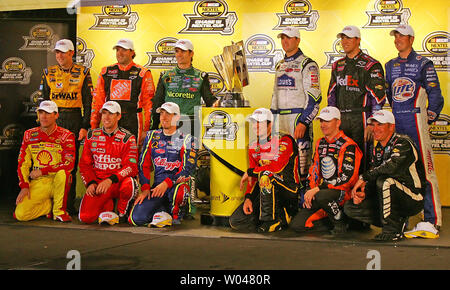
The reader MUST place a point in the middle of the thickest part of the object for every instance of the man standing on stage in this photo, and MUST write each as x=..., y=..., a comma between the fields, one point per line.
x=296, y=96
x=416, y=100
x=357, y=88
x=69, y=85
x=130, y=85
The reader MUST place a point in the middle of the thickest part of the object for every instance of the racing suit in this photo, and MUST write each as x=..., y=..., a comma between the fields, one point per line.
x=187, y=88
x=112, y=156
x=132, y=87
x=172, y=159
x=296, y=99
x=335, y=171
x=71, y=90
x=412, y=82
x=395, y=185
x=54, y=155
x=357, y=89
x=273, y=186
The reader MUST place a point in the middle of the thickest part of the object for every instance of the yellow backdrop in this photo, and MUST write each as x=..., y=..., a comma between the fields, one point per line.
x=211, y=25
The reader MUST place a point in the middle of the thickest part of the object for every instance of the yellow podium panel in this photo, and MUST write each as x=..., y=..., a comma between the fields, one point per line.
x=225, y=134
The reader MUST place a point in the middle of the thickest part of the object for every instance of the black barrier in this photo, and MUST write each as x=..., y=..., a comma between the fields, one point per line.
x=27, y=40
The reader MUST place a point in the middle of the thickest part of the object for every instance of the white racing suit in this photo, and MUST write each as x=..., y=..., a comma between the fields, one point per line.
x=296, y=99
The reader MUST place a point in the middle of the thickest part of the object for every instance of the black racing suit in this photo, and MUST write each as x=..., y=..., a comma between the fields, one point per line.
x=357, y=89
x=395, y=185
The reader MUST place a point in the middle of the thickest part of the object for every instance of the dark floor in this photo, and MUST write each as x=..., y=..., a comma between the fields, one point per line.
x=46, y=244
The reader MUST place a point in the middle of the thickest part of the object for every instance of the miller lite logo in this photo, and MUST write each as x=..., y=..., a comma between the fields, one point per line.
x=403, y=89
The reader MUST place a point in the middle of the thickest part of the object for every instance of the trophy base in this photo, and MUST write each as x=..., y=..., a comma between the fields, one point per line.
x=233, y=100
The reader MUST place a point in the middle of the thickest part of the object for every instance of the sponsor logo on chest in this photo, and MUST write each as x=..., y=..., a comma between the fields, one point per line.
x=403, y=89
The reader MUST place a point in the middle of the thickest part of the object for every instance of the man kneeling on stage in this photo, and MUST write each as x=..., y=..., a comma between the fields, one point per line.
x=108, y=166
x=273, y=180
x=331, y=177
x=46, y=158
x=171, y=155
x=392, y=189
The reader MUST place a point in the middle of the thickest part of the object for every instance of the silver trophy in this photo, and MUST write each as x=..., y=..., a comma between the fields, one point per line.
x=232, y=67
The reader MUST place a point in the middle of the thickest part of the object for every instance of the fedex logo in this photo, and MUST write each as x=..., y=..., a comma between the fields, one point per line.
x=347, y=81
x=403, y=89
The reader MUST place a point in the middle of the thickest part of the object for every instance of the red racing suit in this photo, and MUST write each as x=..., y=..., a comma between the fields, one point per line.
x=132, y=87
x=273, y=166
x=112, y=156
x=51, y=153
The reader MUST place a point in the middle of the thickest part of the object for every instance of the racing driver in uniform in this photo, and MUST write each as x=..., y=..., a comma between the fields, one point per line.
x=273, y=180
x=69, y=85
x=171, y=156
x=357, y=89
x=46, y=158
x=130, y=85
x=392, y=189
x=416, y=100
x=184, y=85
x=296, y=96
x=108, y=166
x=331, y=177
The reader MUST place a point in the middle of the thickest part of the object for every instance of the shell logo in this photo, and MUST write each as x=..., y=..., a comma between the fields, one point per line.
x=44, y=157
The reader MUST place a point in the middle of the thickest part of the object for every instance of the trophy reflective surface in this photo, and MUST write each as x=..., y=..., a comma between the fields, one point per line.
x=232, y=67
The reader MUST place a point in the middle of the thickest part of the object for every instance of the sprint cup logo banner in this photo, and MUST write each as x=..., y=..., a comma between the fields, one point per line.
x=84, y=55
x=40, y=37
x=298, y=13
x=211, y=17
x=32, y=104
x=388, y=13
x=116, y=17
x=11, y=136
x=337, y=53
x=261, y=54
x=15, y=71
x=440, y=135
x=220, y=127
x=164, y=54
x=436, y=48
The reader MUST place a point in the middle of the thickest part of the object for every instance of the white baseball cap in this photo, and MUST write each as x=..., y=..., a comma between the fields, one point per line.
x=350, y=31
x=112, y=107
x=108, y=217
x=403, y=29
x=170, y=108
x=48, y=106
x=161, y=219
x=261, y=115
x=329, y=113
x=184, y=44
x=382, y=116
x=290, y=31
x=64, y=45
x=124, y=43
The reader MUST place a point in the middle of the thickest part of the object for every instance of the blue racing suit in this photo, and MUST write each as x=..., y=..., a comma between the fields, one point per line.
x=412, y=83
x=172, y=159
